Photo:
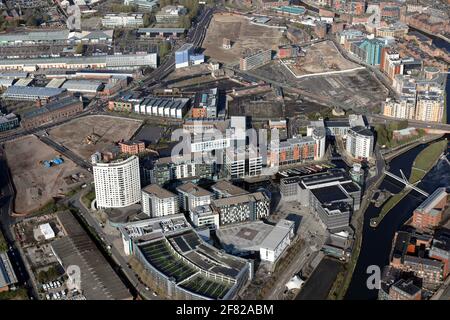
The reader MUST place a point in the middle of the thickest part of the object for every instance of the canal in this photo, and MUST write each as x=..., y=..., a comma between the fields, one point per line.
x=377, y=242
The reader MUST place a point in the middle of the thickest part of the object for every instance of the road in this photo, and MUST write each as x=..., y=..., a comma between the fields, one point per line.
x=64, y=151
x=92, y=108
x=195, y=36
x=415, y=123
x=296, y=265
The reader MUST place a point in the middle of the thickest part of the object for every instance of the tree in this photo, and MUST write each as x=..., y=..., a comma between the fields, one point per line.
x=185, y=22
x=32, y=21
x=148, y=18
x=383, y=135
x=164, y=48
x=79, y=49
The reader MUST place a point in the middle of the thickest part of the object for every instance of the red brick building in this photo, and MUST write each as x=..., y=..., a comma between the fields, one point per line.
x=429, y=213
x=52, y=112
x=405, y=290
x=132, y=147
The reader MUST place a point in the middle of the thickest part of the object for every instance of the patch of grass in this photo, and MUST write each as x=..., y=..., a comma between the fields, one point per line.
x=88, y=198
x=18, y=294
x=50, y=207
x=426, y=159
x=45, y=276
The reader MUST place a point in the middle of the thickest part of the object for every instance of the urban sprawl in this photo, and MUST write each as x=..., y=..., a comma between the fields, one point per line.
x=224, y=150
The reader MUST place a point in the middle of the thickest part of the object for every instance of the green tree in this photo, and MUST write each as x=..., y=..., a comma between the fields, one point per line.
x=164, y=48
x=79, y=49
x=383, y=135
x=49, y=275
x=148, y=18
x=185, y=22
x=32, y=21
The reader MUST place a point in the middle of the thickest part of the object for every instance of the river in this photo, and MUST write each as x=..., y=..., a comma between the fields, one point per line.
x=377, y=242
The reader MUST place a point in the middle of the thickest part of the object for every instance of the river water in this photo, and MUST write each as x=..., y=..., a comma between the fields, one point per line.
x=377, y=242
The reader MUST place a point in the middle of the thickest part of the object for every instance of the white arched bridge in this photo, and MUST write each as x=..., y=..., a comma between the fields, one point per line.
x=406, y=182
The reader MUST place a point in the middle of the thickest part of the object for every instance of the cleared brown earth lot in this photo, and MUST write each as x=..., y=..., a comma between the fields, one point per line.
x=358, y=90
x=243, y=36
x=86, y=135
x=35, y=184
x=321, y=57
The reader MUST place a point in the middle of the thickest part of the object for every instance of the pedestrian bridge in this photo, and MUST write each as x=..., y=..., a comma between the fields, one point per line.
x=406, y=182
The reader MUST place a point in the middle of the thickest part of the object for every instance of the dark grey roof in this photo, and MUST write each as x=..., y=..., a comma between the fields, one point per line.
x=33, y=91
x=406, y=286
x=52, y=106
x=329, y=194
x=158, y=30
x=362, y=131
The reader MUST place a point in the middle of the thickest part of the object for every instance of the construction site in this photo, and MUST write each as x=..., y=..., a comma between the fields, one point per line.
x=86, y=135
x=39, y=173
x=321, y=57
x=241, y=36
x=357, y=90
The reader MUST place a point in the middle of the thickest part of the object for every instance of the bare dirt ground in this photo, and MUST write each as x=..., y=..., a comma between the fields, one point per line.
x=86, y=135
x=36, y=185
x=242, y=34
x=321, y=57
x=358, y=90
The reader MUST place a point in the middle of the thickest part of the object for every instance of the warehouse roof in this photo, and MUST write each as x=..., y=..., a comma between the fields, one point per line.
x=52, y=106
x=161, y=30
x=82, y=85
x=7, y=275
x=13, y=75
x=33, y=91
x=70, y=60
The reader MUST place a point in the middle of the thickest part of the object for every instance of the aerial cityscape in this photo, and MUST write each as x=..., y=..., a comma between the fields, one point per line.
x=224, y=150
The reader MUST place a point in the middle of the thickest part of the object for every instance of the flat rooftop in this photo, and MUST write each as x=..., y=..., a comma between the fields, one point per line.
x=329, y=194
x=7, y=275
x=193, y=189
x=325, y=177
x=227, y=187
x=158, y=191
x=246, y=236
x=235, y=200
x=148, y=229
x=277, y=234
